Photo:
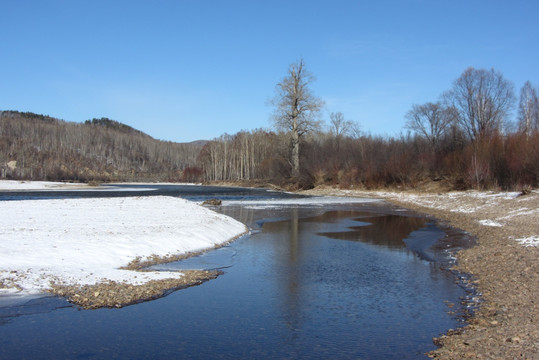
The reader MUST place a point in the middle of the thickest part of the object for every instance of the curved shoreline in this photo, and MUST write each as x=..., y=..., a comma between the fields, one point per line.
x=114, y=294
x=505, y=272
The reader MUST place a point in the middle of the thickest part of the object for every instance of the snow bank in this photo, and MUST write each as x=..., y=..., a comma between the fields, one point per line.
x=86, y=241
x=13, y=185
x=37, y=185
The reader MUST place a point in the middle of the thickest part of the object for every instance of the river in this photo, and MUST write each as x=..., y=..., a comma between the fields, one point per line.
x=339, y=281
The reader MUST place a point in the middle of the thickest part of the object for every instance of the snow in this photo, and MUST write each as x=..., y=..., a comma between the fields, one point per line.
x=529, y=241
x=490, y=223
x=13, y=185
x=306, y=201
x=36, y=185
x=87, y=241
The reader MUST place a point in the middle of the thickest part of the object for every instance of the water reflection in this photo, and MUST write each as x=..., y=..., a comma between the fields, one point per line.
x=377, y=229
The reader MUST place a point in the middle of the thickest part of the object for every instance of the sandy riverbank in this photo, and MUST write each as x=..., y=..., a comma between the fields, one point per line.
x=504, y=265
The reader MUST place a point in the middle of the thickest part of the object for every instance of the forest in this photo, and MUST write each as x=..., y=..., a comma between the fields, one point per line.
x=38, y=147
x=478, y=134
x=466, y=139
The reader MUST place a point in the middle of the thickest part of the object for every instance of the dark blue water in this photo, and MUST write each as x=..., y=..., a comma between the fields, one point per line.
x=339, y=282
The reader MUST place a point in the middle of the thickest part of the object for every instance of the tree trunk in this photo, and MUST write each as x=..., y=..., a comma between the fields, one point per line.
x=295, y=152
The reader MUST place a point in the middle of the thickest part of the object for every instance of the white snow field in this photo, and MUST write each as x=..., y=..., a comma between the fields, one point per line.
x=87, y=241
x=37, y=185
x=19, y=185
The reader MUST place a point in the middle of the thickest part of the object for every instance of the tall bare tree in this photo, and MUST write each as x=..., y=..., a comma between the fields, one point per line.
x=483, y=99
x=430, y=120
x=528, y=109
x=296, y=108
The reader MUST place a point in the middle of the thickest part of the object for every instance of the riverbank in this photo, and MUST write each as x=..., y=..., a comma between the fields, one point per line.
x=504, y=265
x=92, y=250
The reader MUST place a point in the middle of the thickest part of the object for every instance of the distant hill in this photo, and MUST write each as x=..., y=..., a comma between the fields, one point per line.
x=28, y=115
x=114, y=125
x=41, y=147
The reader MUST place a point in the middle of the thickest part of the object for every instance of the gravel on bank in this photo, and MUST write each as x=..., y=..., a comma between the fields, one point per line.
x=504, y=266
x=113, y=294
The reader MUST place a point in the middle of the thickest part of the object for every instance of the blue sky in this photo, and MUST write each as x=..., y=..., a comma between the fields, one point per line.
x=189, y=70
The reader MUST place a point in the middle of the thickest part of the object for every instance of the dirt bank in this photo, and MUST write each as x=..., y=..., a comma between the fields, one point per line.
x=504, y=265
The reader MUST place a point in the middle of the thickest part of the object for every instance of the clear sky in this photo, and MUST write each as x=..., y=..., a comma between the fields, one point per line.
x=188, y=70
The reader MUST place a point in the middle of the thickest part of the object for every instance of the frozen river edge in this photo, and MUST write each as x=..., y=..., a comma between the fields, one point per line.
x=89, y=250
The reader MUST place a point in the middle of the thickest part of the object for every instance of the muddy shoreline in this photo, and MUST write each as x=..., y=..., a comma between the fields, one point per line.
x=504, y=272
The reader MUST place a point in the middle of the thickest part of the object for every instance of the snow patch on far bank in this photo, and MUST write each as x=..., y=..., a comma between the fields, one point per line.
x=87, y=241
x=38, y=185
x=490, y=223
x=13, y=185
x=529, y=241
x=306, y=201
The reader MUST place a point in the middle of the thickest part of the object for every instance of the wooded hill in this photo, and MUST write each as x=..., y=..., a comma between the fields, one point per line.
x=40, y=147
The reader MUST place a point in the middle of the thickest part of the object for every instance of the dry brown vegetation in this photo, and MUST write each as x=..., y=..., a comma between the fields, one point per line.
x=42, y=148
x=38, y=147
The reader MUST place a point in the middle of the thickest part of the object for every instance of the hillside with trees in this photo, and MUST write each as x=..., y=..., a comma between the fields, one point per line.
x=467, y=138
x=39, y=147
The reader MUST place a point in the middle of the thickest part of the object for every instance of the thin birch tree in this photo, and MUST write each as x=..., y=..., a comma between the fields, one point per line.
x=528, y=110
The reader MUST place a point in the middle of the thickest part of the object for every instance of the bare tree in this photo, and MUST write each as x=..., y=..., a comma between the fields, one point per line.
x=339, y=127
x=430, y=120
x=296, y=108
x=483, y=99
x=355, y=130
x=528, y=109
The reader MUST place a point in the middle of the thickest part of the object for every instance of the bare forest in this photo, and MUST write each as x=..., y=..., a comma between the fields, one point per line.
x=468, y=138
x=38, y=147
x=478, y=134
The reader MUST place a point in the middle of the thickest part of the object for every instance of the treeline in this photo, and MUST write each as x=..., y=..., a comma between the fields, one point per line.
x=465, y=139
x=254, y=155
x=39, y=147
x=509, y=161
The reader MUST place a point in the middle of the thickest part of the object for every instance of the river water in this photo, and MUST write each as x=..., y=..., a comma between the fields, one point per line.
x=339, y=281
